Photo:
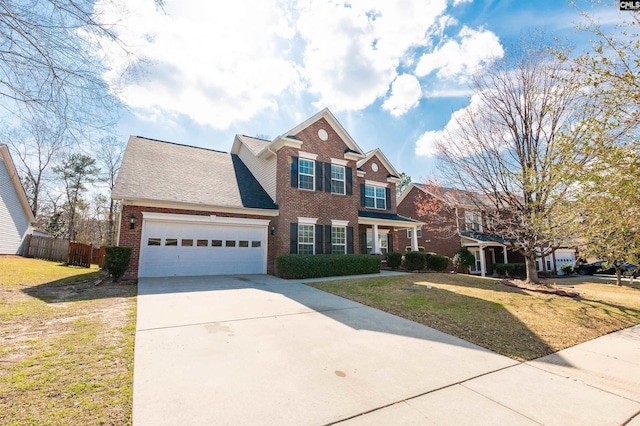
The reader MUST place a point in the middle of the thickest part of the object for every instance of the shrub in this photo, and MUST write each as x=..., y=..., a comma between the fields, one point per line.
x=511, y=269
x=437, y=262
x=415, y=260
x=325, y=265
x=463, y=259
x=394, y=260
x=567, y=269
x=116, y=260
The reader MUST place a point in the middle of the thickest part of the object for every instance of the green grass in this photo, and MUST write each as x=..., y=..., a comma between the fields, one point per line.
x=520, y=324
x=67, y=345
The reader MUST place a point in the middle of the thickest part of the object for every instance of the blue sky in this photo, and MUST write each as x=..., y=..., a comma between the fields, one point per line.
x=392, y=72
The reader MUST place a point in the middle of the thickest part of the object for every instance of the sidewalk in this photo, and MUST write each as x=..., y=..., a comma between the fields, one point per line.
x=596, y=382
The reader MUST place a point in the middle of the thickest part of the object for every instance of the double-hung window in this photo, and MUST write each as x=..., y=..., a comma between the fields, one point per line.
x=473, y=221
x=305, y=239
x=375, y=197
x=306, y=176
x=338, y=240
x=337, y=179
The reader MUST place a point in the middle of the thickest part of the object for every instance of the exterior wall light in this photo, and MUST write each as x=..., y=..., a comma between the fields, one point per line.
x=132, y=221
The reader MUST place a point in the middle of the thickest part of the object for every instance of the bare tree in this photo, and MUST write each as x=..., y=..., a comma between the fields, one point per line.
x=36, y=144
x=109, y=151
x=514, y=145
x=51, y=61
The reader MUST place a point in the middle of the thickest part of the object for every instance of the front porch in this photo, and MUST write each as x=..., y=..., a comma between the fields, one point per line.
x=487, y=250
x=378, y=232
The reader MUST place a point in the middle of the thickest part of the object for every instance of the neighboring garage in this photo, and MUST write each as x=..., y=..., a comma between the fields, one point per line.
x=187, y=245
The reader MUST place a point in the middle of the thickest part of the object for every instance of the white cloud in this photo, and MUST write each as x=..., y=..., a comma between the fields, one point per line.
x=426, y=145
x=405, y=94
x=353, y=50
x=459, y=2
x=457, y=60
x=215, y=65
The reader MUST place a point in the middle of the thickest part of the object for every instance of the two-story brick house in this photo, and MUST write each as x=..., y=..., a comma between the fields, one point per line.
x=464, y=224
x=194, y=211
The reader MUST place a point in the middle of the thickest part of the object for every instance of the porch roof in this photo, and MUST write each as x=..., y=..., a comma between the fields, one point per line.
x=366, y=217
x=484, y=238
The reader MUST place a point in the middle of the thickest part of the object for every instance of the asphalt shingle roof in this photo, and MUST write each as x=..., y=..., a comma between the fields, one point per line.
x=165, y=171
x=384, y=216
x=255, y=144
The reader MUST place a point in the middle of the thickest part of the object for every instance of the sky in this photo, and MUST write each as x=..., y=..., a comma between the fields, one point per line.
x=392, y=72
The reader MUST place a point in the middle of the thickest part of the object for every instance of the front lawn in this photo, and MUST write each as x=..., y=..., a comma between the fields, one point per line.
x=517, y=323
x=66, y=345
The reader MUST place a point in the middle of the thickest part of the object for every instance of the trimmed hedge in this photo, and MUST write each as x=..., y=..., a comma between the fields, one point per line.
x=511, y=269
x=437, y=262
x=116, y=260
x=394, y=260
x=326, y=265
x=415, y=260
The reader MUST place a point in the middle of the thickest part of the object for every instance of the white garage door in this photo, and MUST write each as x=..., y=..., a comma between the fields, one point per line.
x=181, y=245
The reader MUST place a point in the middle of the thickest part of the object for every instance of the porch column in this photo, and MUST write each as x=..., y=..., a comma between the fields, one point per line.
x=414, y=239
x=504, y=254
x=375, y=244
x=483, y=265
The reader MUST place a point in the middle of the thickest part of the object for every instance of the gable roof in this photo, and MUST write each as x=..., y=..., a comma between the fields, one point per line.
x=155, y=170
x=393, y=173
x=448, y=195
x=288, y=138
x=255, y=145
x=15, y=181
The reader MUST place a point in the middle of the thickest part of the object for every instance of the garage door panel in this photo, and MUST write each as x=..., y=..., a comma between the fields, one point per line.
x=247, y=253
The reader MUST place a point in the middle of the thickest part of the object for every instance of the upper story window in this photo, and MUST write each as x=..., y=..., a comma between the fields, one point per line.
x=473, y=221
x=375, y=197
x=305, y=239
x=337, y=179
x=306, y=176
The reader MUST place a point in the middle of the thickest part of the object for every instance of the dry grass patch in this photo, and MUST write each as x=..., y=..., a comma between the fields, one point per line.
x=66, y=345
x=517, y=323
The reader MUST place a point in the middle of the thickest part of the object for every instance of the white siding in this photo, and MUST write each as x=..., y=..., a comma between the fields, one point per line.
x=263, y=170
x=14, y=222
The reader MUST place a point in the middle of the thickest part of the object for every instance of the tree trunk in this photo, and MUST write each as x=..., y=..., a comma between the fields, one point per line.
x=532, y=271
x=619, y=275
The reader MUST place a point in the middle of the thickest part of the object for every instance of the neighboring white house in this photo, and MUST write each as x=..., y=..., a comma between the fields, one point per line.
x=15, y=214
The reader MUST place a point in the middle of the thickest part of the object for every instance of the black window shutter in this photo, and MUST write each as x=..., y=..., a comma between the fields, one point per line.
x=294, y=172
x=362, y=194
x=363, y=242
x=293, y=249
x=349, y=180
x=327, y=177
x=349, y=239
x=388, y=191
x=327, y=239
x=319, y=175
x=319, y=245
x=390, y=243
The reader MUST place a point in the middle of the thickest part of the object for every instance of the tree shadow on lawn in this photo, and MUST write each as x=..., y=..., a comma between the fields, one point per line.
x=79, y=287
x=470, y=281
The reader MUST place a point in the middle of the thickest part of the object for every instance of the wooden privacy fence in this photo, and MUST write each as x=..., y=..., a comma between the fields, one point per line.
x=75, y=254
x=97, y=257
x=46, y=248
x=80, y=254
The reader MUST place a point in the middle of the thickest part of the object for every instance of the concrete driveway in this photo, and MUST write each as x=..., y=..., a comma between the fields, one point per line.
x=248, y=350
